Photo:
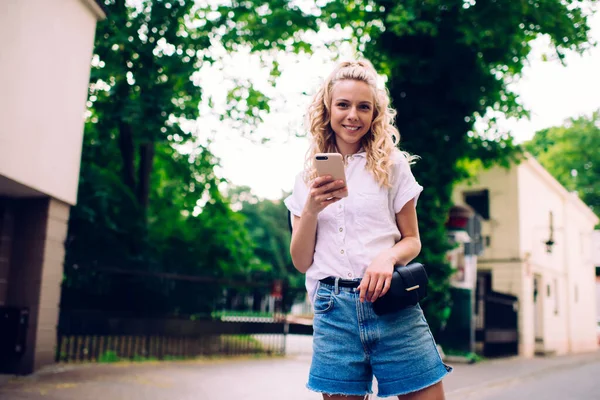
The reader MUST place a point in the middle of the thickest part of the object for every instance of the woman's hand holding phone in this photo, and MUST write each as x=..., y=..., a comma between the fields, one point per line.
x=324, y=191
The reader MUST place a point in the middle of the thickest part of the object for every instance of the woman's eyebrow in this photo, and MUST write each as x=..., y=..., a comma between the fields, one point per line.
x=348, y=101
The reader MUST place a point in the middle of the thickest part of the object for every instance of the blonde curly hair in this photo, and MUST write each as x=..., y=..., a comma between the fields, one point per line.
x=378, y=143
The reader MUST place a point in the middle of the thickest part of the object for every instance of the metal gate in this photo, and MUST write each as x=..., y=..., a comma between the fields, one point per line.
x=496, y=320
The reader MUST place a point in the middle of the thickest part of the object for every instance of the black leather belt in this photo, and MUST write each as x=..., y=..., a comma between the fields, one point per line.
x=330, y=280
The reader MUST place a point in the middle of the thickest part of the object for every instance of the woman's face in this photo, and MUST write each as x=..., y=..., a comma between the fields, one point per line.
x=352, y=110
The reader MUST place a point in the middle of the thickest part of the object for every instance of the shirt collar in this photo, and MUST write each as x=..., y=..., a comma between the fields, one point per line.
x=360, y=153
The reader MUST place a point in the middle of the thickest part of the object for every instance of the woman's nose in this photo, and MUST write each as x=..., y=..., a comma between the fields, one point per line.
x=352, y=114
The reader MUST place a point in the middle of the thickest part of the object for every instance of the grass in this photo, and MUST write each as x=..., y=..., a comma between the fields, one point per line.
x=252, y=314
x=473, y=357
x=239, y=344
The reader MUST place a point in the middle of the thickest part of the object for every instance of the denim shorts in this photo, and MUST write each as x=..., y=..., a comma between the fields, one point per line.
x=351, y=344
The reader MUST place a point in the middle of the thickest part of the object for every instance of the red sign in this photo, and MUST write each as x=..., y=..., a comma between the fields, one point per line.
x=277, y=289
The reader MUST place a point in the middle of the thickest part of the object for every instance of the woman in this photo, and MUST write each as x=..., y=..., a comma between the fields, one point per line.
x=347, y=239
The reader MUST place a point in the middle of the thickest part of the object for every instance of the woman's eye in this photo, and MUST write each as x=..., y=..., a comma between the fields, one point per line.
x=342, y=105
x=365, y=107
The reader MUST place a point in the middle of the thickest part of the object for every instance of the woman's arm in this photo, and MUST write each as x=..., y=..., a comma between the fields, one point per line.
x=304, y=239
x=378, y=276
x=409, y=246
x=323, y=192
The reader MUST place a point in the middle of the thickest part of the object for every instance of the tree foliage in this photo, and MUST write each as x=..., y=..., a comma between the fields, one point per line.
x=267, y=224
x=149, y=196
x=448, y=64
x=149, y=199
x=571, y=154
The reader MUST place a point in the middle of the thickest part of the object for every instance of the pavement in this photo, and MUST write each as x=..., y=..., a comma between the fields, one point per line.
x=492, y=379
x=266, y=378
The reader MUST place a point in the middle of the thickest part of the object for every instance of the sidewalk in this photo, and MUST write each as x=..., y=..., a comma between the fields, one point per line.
x=468, y=379
x=265, y=378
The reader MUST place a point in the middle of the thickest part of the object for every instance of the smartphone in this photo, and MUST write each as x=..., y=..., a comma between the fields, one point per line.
x=330, y=164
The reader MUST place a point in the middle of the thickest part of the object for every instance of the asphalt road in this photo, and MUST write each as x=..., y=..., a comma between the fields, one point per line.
x=575, y=377
x=576, y=381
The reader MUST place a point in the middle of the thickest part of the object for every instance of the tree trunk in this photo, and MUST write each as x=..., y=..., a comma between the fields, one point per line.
x=127, y=154
x=144, y=172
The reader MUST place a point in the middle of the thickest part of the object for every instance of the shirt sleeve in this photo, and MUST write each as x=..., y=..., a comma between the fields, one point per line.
x=405, y=186
x=295, y=202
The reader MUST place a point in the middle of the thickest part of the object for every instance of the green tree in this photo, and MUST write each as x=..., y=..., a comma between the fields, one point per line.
x=571, y=154
x=267, y=224
x=148, y=195
x=449, y=63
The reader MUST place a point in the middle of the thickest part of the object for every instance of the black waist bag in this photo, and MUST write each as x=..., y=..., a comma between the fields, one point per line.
x=409, y=286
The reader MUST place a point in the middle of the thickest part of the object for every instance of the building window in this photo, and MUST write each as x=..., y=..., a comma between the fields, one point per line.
x=480, y=202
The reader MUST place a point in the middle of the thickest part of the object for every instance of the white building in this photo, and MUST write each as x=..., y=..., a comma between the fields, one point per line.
x=44, y=76
x=538, y=239
x=596, y=261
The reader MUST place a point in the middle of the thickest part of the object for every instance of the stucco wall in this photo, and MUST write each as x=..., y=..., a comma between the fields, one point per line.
x=567, y=271
x=501, y=228
x=537, y=199
x=44, y=74
x=520, y=202
x=581, y=281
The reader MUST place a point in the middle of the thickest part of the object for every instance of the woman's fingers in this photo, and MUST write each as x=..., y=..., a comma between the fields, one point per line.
x=363, y=288
x=373, y=282
x=327, y=201
x=378, y=289
x=320, y=181
x=325, y=191
x=386, y=286
x=339, y=193
x=325, y=184
x=367, y=287
x=374, y=286
x=323, y=188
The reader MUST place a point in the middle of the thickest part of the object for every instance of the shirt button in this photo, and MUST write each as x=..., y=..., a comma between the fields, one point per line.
x=342, y=251
x=349, y=275
x=341, y=229
x=340, y=206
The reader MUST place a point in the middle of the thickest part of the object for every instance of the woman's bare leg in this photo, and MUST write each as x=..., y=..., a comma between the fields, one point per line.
x=342, y=397
x=434, y=392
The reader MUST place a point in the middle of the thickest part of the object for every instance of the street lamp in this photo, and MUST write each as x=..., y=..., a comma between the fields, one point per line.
x=550, y=242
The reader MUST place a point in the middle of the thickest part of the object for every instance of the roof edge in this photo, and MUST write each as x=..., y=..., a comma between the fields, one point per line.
x=565, y=194
x=97, y=8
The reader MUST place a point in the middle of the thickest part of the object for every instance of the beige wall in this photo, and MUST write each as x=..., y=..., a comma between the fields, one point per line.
x=596, y=248
x=35, y=275
x=44, y=74
x=581, y=281
x=569, y=309
x=501, y=227
x=520, y=202
x=537, y=198
x=502, y=256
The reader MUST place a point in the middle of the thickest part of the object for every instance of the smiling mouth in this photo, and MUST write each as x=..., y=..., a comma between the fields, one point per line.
x=351, y=128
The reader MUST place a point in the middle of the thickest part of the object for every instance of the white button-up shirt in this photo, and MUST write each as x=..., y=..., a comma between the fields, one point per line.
x=354, y=230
